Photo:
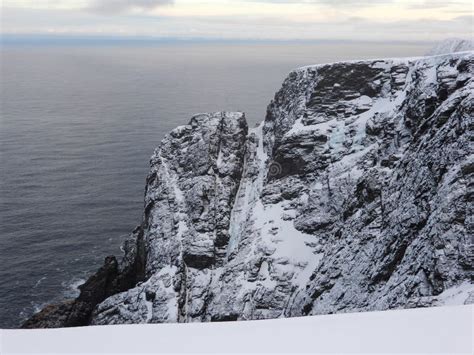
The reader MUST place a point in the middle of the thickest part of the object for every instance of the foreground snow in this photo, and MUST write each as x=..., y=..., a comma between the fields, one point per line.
x=428, y=330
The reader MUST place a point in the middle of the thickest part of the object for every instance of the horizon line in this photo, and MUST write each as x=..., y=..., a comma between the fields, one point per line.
x=73, y=39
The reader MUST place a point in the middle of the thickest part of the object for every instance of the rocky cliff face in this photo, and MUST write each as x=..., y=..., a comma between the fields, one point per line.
x=354, y=194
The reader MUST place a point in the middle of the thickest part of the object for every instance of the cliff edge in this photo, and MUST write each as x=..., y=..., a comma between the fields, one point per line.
x=354, y=194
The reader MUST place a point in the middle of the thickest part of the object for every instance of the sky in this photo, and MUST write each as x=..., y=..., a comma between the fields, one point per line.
x=376, y=20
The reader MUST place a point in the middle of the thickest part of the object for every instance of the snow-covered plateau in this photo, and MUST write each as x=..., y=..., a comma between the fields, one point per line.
x=434, y=330
x=354, y=194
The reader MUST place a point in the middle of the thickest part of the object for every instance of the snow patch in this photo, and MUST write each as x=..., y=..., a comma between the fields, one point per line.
x=456, y=295
x=247, y=194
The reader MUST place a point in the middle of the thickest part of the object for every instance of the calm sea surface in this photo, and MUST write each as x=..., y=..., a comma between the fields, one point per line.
x=77, y=127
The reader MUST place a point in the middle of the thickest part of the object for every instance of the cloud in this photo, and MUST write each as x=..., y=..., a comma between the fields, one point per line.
x=186, y=19
x=351, y=2
x=111, y=7
x=437, y=4
x=419, y=4
x=335, y=3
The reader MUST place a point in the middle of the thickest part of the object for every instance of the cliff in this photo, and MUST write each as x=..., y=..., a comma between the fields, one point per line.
x=354, y=194
x=452, y=45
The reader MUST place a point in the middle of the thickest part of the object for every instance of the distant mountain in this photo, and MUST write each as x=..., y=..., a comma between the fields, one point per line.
x=452, y=45
x=354, y=194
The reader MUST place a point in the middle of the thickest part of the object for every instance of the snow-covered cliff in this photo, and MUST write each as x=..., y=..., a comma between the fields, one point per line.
x=354, y=194
x=452, y=45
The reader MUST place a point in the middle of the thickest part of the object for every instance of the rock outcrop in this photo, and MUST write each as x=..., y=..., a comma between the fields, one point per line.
x=354, y=194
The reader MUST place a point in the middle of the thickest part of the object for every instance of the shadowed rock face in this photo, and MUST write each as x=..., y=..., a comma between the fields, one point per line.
x=110, y=279
x=354, y=194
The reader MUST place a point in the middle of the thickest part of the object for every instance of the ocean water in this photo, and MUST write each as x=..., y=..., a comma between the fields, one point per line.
x=78, y=125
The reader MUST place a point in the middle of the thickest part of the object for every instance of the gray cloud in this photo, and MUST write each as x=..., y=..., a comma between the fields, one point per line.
x=121, y=6
x=353, y=28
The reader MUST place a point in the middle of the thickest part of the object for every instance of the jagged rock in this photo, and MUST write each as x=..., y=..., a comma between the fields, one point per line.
x=354, y=194
x=111, y=278
x=77, y=312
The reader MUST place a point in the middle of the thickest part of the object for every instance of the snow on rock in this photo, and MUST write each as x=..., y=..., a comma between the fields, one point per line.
x=352, y=195
x=452, y=45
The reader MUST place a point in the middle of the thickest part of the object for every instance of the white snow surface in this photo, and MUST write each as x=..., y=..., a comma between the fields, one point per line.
x=436, y=330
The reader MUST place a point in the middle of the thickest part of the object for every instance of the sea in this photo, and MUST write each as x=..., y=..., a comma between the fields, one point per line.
x=78, y=124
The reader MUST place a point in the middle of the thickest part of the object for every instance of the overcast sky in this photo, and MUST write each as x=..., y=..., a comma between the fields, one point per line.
x=411, y=20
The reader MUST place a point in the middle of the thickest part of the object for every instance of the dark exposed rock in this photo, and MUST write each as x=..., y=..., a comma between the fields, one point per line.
x=73, y=313
x=107, y=281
